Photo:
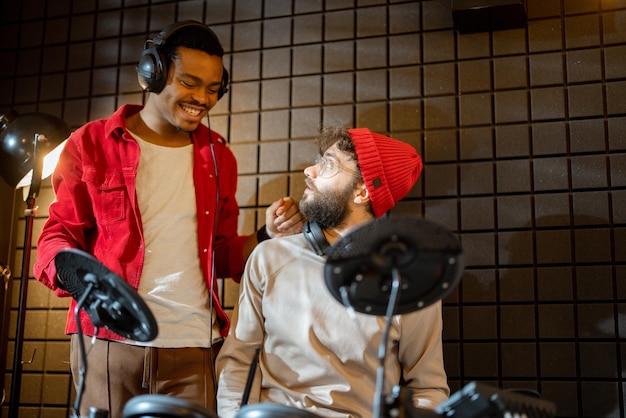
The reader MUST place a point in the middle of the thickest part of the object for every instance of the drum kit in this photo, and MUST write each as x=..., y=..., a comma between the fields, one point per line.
x=390, y=266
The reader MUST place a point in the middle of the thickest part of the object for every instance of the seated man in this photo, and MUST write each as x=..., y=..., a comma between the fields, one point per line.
x=314, y=355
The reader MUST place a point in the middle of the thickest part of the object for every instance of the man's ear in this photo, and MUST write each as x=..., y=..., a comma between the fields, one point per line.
x=361, y=194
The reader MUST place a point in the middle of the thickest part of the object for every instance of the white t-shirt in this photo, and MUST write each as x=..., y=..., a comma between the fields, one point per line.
x=172, y=284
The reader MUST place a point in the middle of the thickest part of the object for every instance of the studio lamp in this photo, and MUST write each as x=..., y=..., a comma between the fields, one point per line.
x=28, y=144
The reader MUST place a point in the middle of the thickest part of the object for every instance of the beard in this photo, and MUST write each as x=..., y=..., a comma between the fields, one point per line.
x=327, y=208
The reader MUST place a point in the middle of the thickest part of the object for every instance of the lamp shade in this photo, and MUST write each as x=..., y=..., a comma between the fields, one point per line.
x=20, y=146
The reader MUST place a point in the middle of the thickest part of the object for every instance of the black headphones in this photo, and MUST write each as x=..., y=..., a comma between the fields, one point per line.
x=152, y=67
x=314, y=234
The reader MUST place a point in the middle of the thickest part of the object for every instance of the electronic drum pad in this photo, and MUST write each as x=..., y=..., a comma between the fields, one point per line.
x=111, y=302
x=164, y=406
x=427, y=257
x=270, y=410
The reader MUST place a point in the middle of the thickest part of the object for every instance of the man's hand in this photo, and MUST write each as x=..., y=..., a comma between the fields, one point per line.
x=283, y=218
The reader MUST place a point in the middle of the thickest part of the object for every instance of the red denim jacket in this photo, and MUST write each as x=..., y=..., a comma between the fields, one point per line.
x=96, y=209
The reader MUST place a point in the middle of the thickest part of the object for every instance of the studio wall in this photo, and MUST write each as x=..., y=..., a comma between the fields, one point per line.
x=522, y=132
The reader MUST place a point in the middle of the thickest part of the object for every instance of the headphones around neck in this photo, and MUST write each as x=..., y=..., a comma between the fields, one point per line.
x=314, y=234
x=153, y=65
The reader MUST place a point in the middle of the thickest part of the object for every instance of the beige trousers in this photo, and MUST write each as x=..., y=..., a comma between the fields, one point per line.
x=117, y=372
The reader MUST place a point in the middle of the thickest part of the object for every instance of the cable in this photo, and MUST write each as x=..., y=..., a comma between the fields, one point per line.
x=215, y=220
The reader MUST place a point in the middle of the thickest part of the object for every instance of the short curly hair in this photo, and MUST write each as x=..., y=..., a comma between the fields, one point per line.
x=336, y=134
x=198, y=37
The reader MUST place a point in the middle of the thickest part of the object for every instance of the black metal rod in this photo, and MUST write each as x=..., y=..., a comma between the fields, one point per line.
x=4, y=326
x=377, y=410
x=82, y=350
x=16, y=380
x=251, y=374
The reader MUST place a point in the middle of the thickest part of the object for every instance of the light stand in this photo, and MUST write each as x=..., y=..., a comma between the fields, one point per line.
x=5, y=276
x=20, y=158
x=29, y=215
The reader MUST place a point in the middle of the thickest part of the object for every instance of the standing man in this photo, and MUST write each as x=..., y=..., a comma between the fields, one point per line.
x=313, y=355
x=150, y=192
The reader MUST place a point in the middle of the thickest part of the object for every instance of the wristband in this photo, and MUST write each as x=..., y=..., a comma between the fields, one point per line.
x=262, y=235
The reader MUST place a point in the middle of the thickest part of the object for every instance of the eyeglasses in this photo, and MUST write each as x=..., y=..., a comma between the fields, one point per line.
x=329, y=167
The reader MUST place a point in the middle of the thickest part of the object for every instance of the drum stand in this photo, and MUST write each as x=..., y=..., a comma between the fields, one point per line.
x=90, y=279
x=378, y=411
x=392, y=266
x=397, y=265
x=108, y=301
x=111, y=303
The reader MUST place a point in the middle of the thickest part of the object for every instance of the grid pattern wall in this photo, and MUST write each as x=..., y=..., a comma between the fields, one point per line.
x=522, y=131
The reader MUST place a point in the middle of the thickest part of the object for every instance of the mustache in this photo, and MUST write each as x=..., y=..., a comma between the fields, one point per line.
x=309, y=184
x=197, y=104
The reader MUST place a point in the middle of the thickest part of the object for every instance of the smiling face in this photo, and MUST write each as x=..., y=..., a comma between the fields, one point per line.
x=194, y=79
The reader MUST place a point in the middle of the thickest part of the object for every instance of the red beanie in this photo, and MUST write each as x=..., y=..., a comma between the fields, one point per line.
x=389, y=167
